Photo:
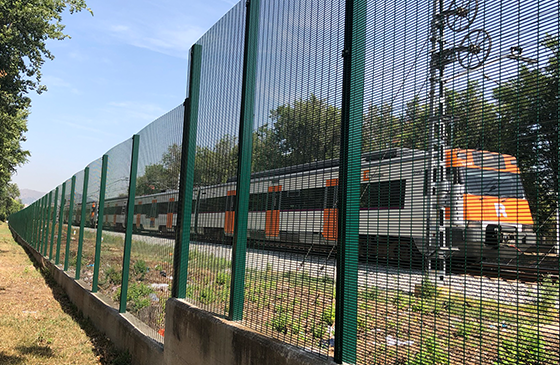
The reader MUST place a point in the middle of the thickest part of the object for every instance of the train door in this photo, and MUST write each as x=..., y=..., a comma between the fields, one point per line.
x=272, y=222
x=138, y=209
x=153, y=214
x=195, y=210
x=169, y=222
x=230, y=213
x=330, y=211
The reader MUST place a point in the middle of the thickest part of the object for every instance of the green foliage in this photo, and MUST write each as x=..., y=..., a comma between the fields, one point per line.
x=527, y=347
x=327, y=316
x=140, y=269
x=280, y=322
x=318, y=330
x=303, y=131
x=207, y=296
x=431, y=353
x=223, y=278
x=25, y=28
x=113, y=276
x=137, y=296
x=370, y=293
x=427, y=288
x=547, y=294
x=9, y=201
x=161, y=176
x=402, y=300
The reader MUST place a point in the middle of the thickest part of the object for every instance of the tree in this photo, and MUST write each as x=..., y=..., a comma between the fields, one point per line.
x=528, y=107
x=161, y=176
x=25, y=26
x=10, y=202
x=306, y=131
x=215, y=165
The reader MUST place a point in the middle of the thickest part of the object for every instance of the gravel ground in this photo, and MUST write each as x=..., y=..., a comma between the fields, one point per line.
x=509, y=292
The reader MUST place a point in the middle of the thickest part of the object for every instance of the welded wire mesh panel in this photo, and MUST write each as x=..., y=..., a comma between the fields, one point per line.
x=114, y=218
x=292, y=227
x=51, y=253
x=74, y=220
x=215, y=162
x=90, y=223
x=155, y=219
x=459, y=184
x=64, y=210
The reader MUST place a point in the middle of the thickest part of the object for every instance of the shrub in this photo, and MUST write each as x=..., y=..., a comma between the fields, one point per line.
x=430, y=354
x=525, y=348
x=140, y=269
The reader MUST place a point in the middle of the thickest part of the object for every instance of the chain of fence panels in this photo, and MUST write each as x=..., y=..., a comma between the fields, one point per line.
x=374, y=181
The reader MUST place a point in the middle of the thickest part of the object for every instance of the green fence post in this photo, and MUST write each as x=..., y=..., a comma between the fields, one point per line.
x=250, y=53
x=69, y=228
x=34, y=223
x=188, y=151
x=48, y=221
x=60, y=222
x=82, y=223
x=349, y=182
x=129, y=222
x=41, y=229
x=100, y=210
x=54, y=222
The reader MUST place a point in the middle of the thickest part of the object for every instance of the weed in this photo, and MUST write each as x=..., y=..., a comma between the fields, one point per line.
x=113, y=275
x=427, y=288
x=547, y=293
x=140, y=269
x=370, y=293
x=280, y=322
x=328, y=315
x=137, y=296
x=402, y=300
x=223, y=278
x=318, y=330
x=207, y=296
x=430, y=354
x=527, y=347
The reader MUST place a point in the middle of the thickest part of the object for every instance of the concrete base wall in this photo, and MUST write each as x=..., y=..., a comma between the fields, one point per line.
x=192, y=336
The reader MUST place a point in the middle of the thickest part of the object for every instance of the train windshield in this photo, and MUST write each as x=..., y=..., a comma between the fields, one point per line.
x=493, y=183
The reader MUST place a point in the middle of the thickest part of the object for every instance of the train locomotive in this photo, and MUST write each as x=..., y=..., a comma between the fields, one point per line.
x=486, y=211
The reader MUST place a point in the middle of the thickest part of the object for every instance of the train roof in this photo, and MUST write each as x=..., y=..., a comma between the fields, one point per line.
x=379, y=155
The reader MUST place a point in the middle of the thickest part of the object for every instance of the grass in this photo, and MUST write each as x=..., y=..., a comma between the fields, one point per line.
x=38, y=323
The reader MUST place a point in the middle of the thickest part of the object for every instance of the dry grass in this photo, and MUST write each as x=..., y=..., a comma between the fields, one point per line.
x=38, y=323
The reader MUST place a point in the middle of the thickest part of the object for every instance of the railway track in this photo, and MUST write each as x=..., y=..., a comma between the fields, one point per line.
x=509, y=271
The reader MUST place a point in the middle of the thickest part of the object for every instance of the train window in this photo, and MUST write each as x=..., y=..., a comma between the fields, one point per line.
x=146, y=209
x=383, y=195
x=257, y=202
x=153, y=210
x=173, y=207
x=162, y=208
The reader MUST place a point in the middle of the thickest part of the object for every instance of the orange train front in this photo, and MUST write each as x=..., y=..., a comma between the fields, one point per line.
x=490, y=206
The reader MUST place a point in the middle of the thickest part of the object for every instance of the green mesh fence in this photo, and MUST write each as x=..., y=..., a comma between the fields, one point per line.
x=90, y=222
x=113, y=220
x=155, y=219
x=372, y=181
x=213, y=197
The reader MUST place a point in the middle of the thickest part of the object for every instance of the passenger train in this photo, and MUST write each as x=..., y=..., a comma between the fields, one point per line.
x=486, y=210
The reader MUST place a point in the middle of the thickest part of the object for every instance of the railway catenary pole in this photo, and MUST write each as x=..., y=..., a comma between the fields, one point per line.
x=435, y=211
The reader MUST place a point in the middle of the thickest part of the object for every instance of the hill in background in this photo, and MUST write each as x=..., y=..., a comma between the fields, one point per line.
x=28, y=196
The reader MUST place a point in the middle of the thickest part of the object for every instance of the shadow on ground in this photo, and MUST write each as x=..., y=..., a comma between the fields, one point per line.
x=103, y=348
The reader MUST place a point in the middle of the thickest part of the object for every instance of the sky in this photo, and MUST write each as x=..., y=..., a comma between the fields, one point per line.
x=122, y=68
